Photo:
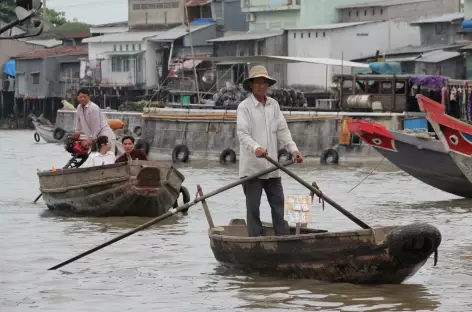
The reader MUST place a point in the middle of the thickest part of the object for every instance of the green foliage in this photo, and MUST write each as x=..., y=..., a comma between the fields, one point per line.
x=55, y=17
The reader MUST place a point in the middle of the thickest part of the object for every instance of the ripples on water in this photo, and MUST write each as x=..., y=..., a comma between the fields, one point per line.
x=171, y=267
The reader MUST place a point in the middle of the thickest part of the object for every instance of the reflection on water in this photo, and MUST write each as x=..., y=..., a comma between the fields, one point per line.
x=265, y=292
x=171, y=266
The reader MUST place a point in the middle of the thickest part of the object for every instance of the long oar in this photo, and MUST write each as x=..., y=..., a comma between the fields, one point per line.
x=320, y=194
x=172, y=212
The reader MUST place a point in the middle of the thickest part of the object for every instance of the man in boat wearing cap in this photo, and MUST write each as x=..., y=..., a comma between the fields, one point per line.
x=91, y=121
x=260, y=126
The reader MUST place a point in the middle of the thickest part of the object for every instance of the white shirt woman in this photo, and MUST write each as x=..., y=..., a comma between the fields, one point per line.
x=103, y=157
x=97, y=159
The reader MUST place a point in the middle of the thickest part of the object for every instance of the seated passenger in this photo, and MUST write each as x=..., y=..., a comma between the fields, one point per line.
x=130, y=151
x=103, y=156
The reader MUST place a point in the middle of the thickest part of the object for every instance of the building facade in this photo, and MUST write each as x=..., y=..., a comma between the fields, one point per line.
x=393, y=9
x=342, y=41
x=283, y=14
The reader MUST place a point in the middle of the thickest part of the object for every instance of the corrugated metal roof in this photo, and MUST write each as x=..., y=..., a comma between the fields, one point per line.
x=191, y=3
x=273, y=59
x=333, y=26
x=178, y=32
x=445, y=18
x=47, y=43
x=437, y=56
x=381, y=3
x=81, y=49
x=255, y=35
x=129, y=36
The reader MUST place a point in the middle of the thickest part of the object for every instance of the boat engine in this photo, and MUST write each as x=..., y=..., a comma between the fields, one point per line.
x=75, y=148
x=78, y=152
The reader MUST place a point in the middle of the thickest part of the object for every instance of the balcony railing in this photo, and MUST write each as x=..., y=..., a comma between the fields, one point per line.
x=270, y=5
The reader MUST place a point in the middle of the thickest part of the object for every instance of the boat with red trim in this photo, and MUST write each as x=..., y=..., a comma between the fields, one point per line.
x=422, y=157
x=454, y=134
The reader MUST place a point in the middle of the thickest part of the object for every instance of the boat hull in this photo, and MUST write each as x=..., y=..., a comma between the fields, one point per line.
x=424, y=159
x=455, y=135
x=46, y=133
x=358, y=257
x=112, y=190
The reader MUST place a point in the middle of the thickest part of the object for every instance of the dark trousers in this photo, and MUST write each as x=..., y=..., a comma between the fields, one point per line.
x=275, y=196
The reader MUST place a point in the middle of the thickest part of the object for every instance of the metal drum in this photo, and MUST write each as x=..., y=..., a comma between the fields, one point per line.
x=362, y=101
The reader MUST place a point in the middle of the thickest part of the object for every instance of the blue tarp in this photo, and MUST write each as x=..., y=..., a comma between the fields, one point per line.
x=9, y=68
x=386, y=68
x=202, y=21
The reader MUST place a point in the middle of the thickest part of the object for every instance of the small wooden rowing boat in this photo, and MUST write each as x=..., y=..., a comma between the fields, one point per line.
x=46, y=130
x=385, y=255
x=135, y=188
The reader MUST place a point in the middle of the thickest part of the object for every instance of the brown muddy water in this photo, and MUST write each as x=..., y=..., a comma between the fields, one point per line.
x=170, y=267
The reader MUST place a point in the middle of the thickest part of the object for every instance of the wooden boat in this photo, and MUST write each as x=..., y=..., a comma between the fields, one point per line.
x=135, y=188
x=454, y=134
x=422, y=157
x=46, y=130
x=386, y=255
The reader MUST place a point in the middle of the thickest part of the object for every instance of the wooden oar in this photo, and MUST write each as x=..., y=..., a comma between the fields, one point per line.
x=320, y=194
x=171, y=212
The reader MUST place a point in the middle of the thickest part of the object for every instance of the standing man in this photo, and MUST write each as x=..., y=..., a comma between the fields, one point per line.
x=260, y=126
x=91, y=121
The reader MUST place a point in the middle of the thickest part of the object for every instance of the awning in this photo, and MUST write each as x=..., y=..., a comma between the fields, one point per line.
x=118, y=53
x=282, y=60
x=192, y=3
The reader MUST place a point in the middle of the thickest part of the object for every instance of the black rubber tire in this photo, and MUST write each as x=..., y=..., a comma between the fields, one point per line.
x=185, y=197
x=284, y=153
x=142, y=144
x=59, y=133
x=329, y=156
x=224, y=155
x=138, y=131
x=36, y=137
x=412, y=243
x=181, y=148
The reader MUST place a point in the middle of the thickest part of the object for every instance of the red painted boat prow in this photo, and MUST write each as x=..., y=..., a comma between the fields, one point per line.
x=424, y=159
x=373, y=133
x=455, y=134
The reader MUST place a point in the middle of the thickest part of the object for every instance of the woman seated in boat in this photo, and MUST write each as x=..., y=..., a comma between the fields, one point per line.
x=103, y=156
x=130, y=151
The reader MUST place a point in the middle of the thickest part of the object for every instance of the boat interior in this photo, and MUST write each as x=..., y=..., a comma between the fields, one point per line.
x=237, y=227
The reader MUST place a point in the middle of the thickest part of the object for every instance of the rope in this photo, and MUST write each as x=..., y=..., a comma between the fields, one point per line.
x=368, y=175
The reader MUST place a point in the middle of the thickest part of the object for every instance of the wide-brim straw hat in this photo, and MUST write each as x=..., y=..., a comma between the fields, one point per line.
x=257, y=72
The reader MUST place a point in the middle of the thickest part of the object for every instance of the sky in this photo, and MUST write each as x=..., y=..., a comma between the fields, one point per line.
x=92, y=11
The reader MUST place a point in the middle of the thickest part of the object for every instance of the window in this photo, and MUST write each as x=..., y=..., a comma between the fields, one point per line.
x=136, y=6
x=127, y=47
x=309, y=35
x=294, y=35
x=357, y=13
x=365, y=12
x=324, y=34
x=373, y=11
x=152, y=6
x=386, y=88
x=121, y=47
x=144, y=6
x=381, y=11
x=35, y=78
x=139, y=47
x=120, y=63
x=114, y=47
x=301, y=35
x=133, y=47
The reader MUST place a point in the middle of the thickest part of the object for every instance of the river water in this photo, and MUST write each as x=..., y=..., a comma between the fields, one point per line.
x=170, y=266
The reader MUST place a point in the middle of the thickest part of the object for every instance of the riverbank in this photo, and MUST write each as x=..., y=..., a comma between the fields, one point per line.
x=211, y=134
